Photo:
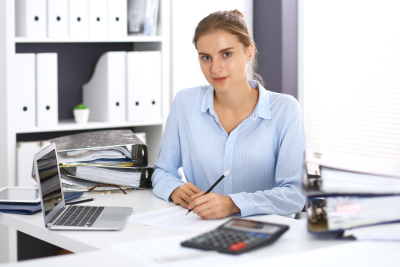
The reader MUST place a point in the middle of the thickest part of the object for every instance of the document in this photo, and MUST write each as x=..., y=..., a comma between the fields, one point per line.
x=348, y=212
x=169, y=252
x=175, y=218
x=118, y=176
x=383, y=232
x=84, y=155
x=340, y=181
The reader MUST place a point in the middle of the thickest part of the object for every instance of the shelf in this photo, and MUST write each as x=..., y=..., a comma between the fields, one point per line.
x=127, y=39
x=71, y=125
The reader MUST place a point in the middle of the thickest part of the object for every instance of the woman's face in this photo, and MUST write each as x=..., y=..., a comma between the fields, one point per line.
x=223, y=59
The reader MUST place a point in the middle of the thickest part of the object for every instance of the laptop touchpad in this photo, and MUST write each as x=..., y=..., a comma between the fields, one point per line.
x=112, y=217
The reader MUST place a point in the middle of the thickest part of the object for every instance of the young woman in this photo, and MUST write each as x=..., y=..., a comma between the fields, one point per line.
x=232, y=124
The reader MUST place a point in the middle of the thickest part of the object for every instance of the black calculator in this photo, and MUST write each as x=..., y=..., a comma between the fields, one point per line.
x=238, y=236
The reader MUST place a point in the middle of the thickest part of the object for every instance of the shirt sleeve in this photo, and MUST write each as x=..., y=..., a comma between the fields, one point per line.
x=166, y=177
x=286, y=198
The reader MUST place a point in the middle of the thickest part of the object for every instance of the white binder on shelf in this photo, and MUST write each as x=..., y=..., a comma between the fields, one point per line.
x=25, y=153
x=46, y=89
x=78, y=18
x=144, y=86
x=57, y=18
x=30, y=18
x=105, y=93
x=25, y=83
x=98, y=18
x=117, y=18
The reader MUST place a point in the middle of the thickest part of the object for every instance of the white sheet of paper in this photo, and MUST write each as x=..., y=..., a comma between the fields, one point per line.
x=148, y=251
x=388, y=232
x=175, y=218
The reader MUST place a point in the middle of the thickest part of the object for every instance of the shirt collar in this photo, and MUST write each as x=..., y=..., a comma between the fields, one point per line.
x=262, y=109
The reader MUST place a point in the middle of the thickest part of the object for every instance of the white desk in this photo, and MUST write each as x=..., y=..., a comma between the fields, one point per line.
x=297, y=239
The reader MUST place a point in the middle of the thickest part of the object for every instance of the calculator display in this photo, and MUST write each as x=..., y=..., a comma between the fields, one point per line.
x=252, y=226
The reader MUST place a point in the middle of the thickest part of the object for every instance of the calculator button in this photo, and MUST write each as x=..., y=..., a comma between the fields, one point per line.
x=237, y=246
x=263, y=235
x=234, y=247
x=241, y=244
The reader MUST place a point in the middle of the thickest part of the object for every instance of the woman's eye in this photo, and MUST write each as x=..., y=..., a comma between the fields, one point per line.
x=206, y=57
x=227, y=54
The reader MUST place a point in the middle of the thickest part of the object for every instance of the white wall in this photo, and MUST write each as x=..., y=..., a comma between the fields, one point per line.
x=185, y=15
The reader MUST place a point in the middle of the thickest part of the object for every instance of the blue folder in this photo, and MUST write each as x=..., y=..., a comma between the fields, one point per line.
x=27, y=209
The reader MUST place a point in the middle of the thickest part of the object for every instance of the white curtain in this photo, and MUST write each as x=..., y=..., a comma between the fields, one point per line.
x=351, y=76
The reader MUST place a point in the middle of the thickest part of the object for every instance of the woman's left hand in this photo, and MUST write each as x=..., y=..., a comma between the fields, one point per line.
x=212, y=205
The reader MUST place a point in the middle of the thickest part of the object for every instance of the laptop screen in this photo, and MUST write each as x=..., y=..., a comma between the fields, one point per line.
x=49, y=181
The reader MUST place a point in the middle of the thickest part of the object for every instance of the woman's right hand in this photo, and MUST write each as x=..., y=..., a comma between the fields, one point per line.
x=181, y=195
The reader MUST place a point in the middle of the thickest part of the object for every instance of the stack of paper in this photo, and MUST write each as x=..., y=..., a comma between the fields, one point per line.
x=335, y=180
x=168, y=252
x=346, y=192
x=388, y=232
x=175, y=218
x=120, y=176
x=114, y=156
x=348, y=212
x=143, y=16
x=85, y=175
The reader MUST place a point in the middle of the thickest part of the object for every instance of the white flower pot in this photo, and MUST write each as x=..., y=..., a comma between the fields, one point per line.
x=81, y=115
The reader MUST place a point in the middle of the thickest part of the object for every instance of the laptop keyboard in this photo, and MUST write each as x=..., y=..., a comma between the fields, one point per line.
x=79, y=216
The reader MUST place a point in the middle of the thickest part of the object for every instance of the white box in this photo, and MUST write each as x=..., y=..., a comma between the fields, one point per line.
x=98, y=18
x=25, y=153
x=46, y=90
x=105, y=93
x=78, y=18
x=143, y=86
x=25, y=95
x=117, y=18
x=57, y=18
x=30, y=18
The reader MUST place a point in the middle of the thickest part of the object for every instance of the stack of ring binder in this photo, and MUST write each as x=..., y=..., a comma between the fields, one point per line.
x=345, y=192
x=105, y=161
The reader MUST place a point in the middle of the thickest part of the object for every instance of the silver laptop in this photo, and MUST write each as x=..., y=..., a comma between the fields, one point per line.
x=58, y=216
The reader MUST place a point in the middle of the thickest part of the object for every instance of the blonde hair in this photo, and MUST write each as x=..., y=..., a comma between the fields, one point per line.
x=231, y=22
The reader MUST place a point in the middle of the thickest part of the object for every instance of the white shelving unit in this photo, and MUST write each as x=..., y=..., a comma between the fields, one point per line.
x=128, y=39
x=71, y=125
x=8, y=132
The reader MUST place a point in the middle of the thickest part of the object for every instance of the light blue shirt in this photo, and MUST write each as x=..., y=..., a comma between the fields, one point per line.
x=264, y=153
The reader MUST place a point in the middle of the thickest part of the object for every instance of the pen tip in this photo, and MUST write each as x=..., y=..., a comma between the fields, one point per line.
x=187, y=213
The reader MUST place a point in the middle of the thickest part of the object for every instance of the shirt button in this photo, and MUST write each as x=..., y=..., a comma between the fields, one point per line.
x=229, y=144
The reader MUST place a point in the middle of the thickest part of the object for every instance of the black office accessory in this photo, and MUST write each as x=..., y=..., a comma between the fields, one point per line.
x=81, y=201
x=27, y=209
x=214, y=185
x=238, y=236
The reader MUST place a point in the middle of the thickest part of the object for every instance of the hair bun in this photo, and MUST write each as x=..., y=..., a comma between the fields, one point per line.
x=237, y=13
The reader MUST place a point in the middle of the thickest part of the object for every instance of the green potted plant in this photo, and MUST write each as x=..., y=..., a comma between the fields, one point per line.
x=81, y=113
